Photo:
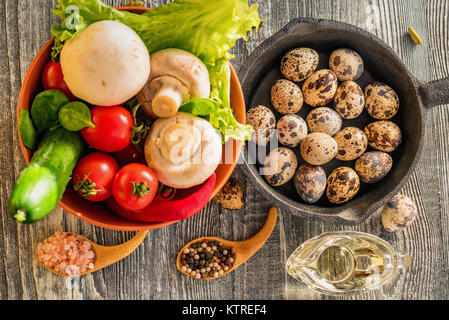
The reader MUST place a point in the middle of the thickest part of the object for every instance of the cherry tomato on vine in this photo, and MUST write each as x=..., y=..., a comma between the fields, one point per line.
x=112, y=130
x=135, y=186
x=93, y=176
x=53, y=78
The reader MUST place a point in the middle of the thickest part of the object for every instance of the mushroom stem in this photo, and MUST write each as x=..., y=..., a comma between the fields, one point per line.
x=167, y=101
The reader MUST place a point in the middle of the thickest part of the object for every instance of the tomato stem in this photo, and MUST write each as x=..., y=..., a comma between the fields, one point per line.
x=87, y=187
x=140, y=129
x=140, y=189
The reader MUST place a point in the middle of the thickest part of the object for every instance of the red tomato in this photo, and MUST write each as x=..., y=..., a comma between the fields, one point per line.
x=131, y=155
x=52, y=78
x=135, y=186
x=93, y=176
x=112, y=130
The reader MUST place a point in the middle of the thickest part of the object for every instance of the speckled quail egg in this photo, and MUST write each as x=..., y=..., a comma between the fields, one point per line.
x=383, y=135
x=280, y=166
x=347, y=64
x=318, y=148
x=298, y=64
x=319, y=89
x=381, y=101
x=291, y=130
x=399, y=213
x=349, y=100
x=342, y=185
x=263, y=121
x=310, y=183
x=286, y=97
x=373, y=166
x=352, y=143
x=325, y=120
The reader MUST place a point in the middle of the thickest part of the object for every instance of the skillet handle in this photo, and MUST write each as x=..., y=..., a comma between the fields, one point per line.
x=435, y=93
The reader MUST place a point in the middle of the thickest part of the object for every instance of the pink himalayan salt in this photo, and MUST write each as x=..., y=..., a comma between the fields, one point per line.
x=66, y=253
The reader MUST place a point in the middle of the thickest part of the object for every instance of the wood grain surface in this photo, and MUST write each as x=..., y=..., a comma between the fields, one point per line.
x=150, y=272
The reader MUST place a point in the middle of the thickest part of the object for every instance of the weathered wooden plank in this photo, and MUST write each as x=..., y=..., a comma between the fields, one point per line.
x=150, y=272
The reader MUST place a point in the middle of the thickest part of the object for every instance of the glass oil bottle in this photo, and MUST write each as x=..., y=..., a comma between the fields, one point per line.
x=345, y=262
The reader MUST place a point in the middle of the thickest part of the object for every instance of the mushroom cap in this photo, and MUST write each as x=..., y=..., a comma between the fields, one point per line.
x=181, y=65
x=183, y=150
x=106, y=64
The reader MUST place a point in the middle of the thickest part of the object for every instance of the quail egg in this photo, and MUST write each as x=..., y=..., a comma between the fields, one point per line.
x=352, y=143
x=342, y=185
x=373, y=166
x=383, y=135
x=399, y=213
x=310, y=183
x=280, y=166
x=347, y=64
x=286, y=97
x=319, y=89
x=291, y=130
x=325, y=120
x=381, y=101
x=263, y=121
x=318, y=148
x=298, y=64
x=349, y=100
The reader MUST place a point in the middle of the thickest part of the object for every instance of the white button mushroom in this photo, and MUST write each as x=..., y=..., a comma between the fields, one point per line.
x=106, y=64
x=183, y=150
x=176, y=76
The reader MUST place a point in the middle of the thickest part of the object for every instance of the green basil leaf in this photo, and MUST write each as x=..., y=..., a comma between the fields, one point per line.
x=200, y=107
x=27, y=131
x=75, y=116
x=45, y=108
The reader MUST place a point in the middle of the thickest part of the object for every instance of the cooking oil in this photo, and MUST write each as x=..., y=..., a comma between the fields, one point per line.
x=346, y=262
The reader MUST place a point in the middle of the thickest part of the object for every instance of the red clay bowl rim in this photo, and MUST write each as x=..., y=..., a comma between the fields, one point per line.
x=139, y=226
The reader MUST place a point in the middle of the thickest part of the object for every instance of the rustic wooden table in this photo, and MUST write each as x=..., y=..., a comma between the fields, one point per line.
x=150, y=272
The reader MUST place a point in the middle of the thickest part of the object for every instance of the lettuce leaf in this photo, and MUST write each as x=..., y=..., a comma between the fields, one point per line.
x=206, y=28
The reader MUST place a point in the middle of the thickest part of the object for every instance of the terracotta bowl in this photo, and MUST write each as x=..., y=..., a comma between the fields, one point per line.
x=98, y=214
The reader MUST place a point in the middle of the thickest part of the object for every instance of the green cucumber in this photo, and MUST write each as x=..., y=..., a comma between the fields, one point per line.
x=43, y=181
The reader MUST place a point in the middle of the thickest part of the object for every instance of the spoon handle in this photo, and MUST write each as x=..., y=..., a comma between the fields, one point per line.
x=252, y=245
x=109, y=255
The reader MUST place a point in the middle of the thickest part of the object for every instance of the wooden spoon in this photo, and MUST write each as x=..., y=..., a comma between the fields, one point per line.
x=107, y=255
x=243, y=249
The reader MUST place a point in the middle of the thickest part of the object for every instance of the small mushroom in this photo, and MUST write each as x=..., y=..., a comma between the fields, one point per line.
x=399, y=213
x=183, y=150
x=176, y=76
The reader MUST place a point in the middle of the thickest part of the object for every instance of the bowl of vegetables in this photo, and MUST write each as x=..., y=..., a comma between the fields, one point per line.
x=96, y=125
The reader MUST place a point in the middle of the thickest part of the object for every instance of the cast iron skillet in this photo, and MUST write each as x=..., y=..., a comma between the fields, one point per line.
x=261, y=70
